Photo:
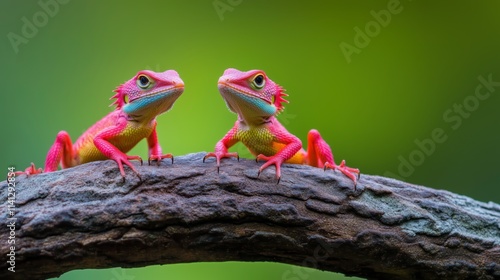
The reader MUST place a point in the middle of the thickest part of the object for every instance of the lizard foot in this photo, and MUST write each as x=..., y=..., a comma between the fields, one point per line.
x=120, y=160
x=219, y=156
x=348, y=171
x=158, y=158
x=269, y=161
x=31, y=170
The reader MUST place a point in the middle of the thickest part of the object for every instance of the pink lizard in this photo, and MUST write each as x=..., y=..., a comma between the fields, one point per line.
x=138, y=102
x=257, y=100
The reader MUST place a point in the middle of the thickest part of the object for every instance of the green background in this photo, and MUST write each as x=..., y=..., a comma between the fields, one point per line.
x=371, y=110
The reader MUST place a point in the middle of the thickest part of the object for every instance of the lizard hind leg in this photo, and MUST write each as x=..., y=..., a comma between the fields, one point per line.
x=318, y=151
x=60, y=152
x=319, y=154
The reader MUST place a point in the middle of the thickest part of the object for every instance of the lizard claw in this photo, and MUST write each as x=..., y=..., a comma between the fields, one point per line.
x=279, y=178
x=347, y=171
x=218, y=156
x=135, y=158
x=270, y=161
x=158, y=158
x=125, y=160
x=30, y=170
x=262, y=157
x=208, y=155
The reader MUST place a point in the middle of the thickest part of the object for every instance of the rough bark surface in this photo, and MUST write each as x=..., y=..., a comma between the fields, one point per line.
x=88, y=217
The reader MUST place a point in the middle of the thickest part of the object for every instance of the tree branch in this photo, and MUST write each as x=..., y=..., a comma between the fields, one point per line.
x=87, y=217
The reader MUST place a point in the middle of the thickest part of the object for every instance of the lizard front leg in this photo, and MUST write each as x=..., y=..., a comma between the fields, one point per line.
x=293, y=146
x=60, y=152
x=319, y=154
x=222, y=146
x=155, y=148
x=101, y=141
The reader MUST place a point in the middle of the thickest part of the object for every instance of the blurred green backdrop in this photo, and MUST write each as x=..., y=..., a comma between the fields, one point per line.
x=373, y=82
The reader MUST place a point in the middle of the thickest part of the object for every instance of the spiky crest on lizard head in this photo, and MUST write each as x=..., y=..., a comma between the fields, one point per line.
x=251, y=95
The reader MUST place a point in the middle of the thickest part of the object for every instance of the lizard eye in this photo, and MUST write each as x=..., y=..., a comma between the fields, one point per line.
x=259, y=81
x=143, y=81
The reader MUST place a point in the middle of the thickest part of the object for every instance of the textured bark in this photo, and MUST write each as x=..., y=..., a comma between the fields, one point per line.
x=88, y=217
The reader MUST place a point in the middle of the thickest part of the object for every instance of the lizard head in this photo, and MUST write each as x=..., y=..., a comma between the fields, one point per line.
x=251, y=95
x=149, y=93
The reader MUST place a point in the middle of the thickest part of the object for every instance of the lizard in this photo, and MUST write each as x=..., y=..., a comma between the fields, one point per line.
x=138, y=102
x=257, y=100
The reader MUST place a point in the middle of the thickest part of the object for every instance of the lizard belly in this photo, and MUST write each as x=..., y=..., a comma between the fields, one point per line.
x=124, y=141
x=261, y=141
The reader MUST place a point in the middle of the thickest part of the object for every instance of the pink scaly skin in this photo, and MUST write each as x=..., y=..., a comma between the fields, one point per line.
x=149, y=94
x=257, y=100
